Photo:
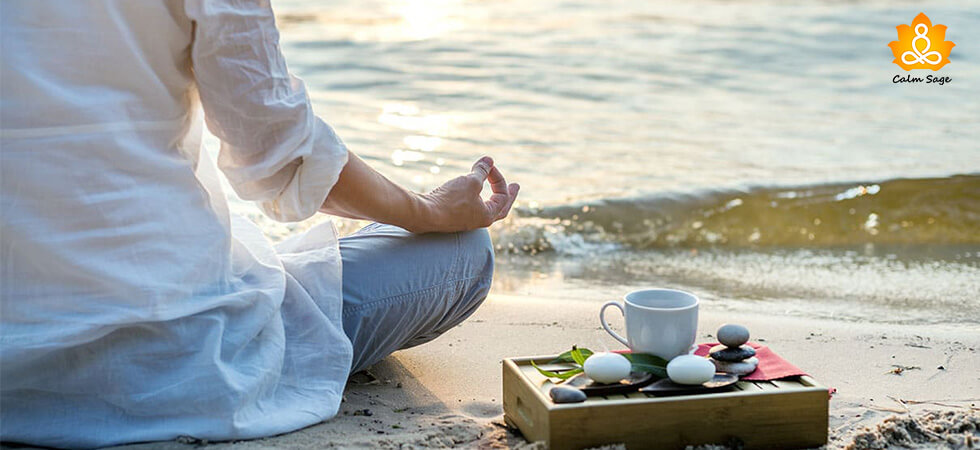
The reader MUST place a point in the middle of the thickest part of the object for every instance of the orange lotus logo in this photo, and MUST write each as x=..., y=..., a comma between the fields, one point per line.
x=921, y=45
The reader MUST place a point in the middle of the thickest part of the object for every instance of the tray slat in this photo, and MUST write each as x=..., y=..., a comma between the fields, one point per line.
x=789, y=385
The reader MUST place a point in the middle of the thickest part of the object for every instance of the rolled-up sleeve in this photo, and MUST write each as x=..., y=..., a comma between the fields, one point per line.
x=274, y=150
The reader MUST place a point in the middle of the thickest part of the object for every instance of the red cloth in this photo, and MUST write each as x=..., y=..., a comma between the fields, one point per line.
x=771, y=366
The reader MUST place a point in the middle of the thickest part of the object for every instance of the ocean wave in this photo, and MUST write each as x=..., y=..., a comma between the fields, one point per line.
x=900, y=211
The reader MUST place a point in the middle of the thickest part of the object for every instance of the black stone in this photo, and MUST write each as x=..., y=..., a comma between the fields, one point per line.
x=562, y=394
x=732, y=354
x=664, y=388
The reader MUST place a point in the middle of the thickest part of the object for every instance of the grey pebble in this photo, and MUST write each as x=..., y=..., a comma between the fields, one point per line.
x=737, y=368
x=733, y=335
x=561, y=394
x=731, y=354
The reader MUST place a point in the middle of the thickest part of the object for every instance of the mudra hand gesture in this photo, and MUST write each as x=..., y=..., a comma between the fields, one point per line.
x=363, y=193
x=457, y=205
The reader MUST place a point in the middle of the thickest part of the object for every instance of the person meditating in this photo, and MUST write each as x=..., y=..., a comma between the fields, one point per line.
x=134, y=306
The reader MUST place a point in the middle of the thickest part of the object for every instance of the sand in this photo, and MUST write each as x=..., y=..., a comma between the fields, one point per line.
x=891, y=380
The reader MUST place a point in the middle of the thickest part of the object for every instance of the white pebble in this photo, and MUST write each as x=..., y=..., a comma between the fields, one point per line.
x=690, y=369
x=607, y=367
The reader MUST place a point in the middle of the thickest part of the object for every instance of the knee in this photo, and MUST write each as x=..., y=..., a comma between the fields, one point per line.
x=476, y=253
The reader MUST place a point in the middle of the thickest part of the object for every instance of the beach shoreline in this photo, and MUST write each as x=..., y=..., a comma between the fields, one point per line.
x=770, y=157
x=448, y=392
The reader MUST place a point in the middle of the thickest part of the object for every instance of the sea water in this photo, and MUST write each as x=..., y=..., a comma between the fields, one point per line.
x=758, y=153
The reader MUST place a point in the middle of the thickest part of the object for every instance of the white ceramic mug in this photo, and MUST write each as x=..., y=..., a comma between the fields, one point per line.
x=662, y=322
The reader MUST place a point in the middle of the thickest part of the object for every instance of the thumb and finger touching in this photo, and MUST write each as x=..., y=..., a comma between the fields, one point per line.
x=503, y=195
x=481, y=168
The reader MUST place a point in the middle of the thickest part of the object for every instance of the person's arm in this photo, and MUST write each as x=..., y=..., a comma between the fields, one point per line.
x=277, y=153
x=274, y=150
x=363, y=193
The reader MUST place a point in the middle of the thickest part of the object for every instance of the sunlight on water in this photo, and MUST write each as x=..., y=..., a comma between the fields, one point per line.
x=640, y=129
x=425, y=19
x=600, y=99
x=423, y=143
x=407, y=117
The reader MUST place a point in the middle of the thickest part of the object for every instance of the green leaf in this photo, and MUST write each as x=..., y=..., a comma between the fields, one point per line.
x=642, y=362
x=567, y=356
x=657, y=371
x=645, y=358
x=560, y=375
x=577, y=356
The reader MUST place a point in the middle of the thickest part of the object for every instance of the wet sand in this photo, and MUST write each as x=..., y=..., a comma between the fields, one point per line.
x=448, y=392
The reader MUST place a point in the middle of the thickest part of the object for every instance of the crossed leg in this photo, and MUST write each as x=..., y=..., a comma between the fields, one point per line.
x=402, y=289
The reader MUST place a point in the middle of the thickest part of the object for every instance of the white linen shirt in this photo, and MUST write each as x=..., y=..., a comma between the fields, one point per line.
x=134, y=306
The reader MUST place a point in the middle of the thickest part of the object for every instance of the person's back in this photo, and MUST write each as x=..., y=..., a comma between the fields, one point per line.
x=98, y=162
x=133, y=306
x=111, y=242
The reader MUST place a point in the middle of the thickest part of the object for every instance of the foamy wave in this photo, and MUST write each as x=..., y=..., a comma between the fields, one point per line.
x=903, y=211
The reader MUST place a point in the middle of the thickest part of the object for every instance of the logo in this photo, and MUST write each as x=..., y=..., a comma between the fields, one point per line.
x=921, y=45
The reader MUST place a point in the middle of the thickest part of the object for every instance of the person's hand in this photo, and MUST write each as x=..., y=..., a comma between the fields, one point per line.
x=458, y=206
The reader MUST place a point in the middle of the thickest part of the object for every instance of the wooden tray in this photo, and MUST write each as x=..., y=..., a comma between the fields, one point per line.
x=789, y=413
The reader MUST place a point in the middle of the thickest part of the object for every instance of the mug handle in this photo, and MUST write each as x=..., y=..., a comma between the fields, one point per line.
x=602, y=320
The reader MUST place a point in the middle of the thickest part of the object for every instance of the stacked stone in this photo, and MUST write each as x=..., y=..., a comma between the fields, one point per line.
x=733, y=356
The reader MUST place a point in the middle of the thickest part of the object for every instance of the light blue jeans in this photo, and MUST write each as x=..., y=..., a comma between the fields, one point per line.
x=403, y=289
